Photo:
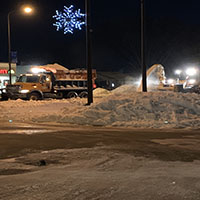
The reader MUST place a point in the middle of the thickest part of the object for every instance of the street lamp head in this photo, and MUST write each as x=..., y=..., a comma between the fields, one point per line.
x=28, y=10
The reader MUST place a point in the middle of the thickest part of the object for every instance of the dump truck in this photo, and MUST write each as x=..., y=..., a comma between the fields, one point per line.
x=45, y=82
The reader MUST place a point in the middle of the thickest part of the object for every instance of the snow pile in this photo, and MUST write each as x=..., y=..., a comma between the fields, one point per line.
x=121, y=107
x=124, y=89
x=100, y=92
x=127, y=108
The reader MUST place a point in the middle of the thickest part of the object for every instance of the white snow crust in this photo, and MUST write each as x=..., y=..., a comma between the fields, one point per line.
x=122, y=107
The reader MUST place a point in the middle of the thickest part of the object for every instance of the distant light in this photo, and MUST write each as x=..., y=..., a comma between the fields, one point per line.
x=28, y=10
x=178, y=72
x=192, y=81
x=113, y=85
x=3, y=71
x=37, y=70
x=170, y=81
x=191, y=71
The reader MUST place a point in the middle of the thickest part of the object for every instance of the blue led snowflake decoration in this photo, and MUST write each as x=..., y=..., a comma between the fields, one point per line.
x=69, y=19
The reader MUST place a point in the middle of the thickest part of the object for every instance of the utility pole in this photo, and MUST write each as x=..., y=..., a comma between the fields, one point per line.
x=9, y=51
x=88, y=53
x=143, y=64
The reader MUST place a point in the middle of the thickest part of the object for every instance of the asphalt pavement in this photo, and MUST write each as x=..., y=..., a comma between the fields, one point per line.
x=169, y=145
x=58, y=161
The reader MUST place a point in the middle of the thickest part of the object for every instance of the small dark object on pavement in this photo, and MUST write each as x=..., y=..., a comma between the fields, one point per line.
x=42, y=163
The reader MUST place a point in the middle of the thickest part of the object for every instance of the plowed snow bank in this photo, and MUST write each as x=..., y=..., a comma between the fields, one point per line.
x=121, y=107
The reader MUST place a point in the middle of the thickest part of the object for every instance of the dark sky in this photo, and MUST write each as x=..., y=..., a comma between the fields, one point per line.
x=172, y=34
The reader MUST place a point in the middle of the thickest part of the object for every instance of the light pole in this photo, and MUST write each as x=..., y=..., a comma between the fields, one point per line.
x=9, y=50
x=26, y=10
x=88, y=53
x=143, y=64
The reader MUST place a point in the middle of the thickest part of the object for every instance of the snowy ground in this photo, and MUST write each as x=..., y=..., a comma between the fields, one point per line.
x=123, y=107
x=98, y=163
x=115, y=176
x=94, y=163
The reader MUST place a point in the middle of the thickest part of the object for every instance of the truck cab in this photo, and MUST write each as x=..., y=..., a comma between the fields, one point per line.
x=30, y=82
x=30, y=86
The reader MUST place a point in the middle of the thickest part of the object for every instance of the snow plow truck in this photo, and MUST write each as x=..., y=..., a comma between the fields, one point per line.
x=47, y=82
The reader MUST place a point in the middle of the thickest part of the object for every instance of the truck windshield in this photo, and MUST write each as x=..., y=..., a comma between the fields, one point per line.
x=28, y=79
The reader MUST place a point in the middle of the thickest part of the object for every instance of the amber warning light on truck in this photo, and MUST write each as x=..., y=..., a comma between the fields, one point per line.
x=37, y=70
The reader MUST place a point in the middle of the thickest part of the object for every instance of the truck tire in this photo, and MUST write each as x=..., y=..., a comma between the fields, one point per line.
x=13, y=98
x=34, y=96
x=83, y=94
x=59, y=95
x=4, y=98
x=72, y=95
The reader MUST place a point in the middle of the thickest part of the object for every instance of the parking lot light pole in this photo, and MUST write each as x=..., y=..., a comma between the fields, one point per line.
x=88, y=53
x=9, y=49
x=26, y=10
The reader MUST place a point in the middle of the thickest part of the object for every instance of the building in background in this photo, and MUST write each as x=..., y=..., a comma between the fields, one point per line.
x=4, y=74
x=112, y=80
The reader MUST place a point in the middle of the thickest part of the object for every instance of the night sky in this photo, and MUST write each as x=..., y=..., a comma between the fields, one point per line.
x=172, y=34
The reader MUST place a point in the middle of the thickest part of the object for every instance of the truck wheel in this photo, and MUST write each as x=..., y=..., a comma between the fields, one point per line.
x=34, y=96
x=83, y=94
x=72, y=95
x=59, y=95
x=13, y=98
x=4, y=98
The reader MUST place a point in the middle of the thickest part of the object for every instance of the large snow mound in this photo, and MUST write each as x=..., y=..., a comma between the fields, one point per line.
x=127, y=108
x=123, y=107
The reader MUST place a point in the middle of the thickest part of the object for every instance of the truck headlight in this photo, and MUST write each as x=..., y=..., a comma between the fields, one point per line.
x=24, y=91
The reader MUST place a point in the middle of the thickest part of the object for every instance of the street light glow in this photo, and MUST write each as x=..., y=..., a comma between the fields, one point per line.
x=28, y=10
x=178, y=72
x=192, y=81
x=191, y=71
